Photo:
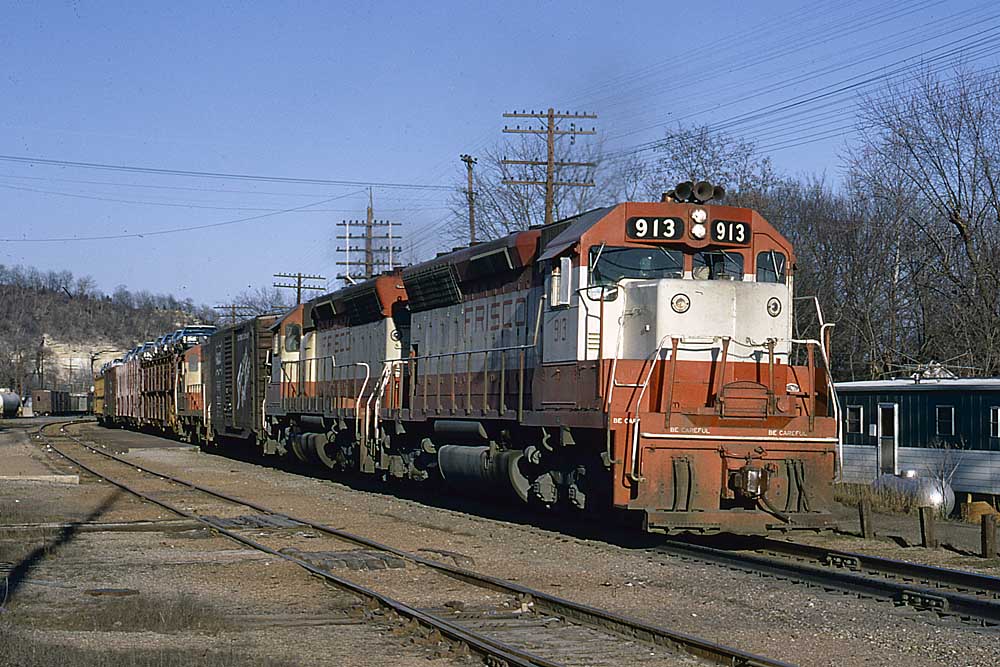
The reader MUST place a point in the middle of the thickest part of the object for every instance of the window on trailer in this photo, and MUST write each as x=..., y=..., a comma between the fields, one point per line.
x=995, y=422
x=945, y=420
x=855, y=418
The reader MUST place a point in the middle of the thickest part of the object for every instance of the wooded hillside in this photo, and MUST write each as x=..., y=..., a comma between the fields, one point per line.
x=71, y=310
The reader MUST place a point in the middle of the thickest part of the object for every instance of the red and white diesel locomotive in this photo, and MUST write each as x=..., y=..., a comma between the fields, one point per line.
x=639, y=356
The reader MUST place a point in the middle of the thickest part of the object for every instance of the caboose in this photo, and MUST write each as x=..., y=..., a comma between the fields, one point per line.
x=639, y=356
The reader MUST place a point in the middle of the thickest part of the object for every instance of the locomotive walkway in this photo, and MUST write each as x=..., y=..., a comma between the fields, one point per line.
x=502, y=621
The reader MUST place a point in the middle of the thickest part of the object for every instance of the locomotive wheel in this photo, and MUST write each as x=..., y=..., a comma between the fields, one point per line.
x=325, y=457
x=308, y=448
x=297, y=449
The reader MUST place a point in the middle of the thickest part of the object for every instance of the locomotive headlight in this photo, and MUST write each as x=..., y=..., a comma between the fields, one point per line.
x=773, y=306
x=699, y=216
x=698, y=230
x=680, y=303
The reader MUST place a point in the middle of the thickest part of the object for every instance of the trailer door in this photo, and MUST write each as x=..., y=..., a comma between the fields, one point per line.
x=888, y=437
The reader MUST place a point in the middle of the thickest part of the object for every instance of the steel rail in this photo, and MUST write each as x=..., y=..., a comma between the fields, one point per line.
x=480, y=644
x=608, y=621
x=943, y=602
x=975, y=582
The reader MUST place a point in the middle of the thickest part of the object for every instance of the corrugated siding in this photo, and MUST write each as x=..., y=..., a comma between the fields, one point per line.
x=860, y=464
x=917, y=415
x=974, y=471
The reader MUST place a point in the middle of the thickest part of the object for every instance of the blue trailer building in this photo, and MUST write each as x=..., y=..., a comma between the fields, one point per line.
x=940, y=427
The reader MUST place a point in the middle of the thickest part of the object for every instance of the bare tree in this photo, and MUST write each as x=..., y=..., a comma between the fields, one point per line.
x=502, y=209
x=941, y=140
x=700, y=153
x=262, y=300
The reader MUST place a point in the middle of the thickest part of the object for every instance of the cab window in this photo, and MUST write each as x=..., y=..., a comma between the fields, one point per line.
x=293, y=337
x=771, y=267
x=717, y=265
x=609, y=265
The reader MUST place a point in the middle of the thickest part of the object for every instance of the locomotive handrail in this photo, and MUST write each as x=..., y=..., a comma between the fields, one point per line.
x=287, y=381
x=635, y=474
x=414, y=369
x=526, y=346
x=825, y=327
x=486, y=350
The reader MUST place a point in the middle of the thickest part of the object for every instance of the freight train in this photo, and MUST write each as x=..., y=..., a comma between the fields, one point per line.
x=639, y=356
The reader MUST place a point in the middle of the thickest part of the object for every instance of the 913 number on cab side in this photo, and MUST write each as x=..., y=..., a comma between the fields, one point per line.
x=654, y=229
x=728, y=231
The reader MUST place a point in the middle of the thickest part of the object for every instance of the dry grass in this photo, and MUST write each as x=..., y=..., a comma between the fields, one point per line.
x=12, y=513
x=140, y=613
x=29, y=649
x=886, y=501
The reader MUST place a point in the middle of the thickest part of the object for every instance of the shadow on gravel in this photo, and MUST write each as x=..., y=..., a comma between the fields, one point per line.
x=618, y=528
x=20, y=571
x=947, y=546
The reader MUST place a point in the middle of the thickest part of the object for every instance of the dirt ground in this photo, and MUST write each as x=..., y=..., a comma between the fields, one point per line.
x=150, y=589
x=781, y=620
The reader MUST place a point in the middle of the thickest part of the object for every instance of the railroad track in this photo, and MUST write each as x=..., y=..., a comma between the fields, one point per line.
x=503, y=622
x=969, y=597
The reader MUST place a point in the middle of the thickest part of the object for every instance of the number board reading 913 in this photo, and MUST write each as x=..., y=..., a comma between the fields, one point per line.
x=654, y=229
x=727, y=231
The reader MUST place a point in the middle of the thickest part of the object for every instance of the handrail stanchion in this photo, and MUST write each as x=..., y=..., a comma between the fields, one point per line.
x=468, y=383
x=486, y=381
x=520, y=385
x=502, y=407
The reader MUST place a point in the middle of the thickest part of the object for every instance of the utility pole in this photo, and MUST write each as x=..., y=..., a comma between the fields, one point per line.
x=471, y=195
x=299, y=284
x=376, y=255
x=551, y=131
x=235, y=311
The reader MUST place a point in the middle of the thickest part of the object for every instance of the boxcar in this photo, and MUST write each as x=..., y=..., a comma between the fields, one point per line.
x=50, y=402
x=237, y=360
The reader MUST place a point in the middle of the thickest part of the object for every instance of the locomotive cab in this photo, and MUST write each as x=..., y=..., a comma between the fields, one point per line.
x=718, y=416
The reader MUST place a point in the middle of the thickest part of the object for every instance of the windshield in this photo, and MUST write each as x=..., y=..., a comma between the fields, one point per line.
x=609, y=265
x=717, y=265
x=771, y=267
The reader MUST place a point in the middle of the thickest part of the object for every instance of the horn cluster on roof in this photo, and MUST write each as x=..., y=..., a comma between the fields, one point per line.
x=695, y=193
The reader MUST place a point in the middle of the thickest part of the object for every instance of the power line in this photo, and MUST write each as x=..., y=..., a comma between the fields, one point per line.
x=470, y=194
x=137, y=202
x=213, y=174
x=235, y=311
x=831, y=91
x=300, y=284
x=176, y=230
x=372, y=256
x=551, y=131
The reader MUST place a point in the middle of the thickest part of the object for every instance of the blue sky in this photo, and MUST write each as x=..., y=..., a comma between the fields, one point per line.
x=389, y=92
